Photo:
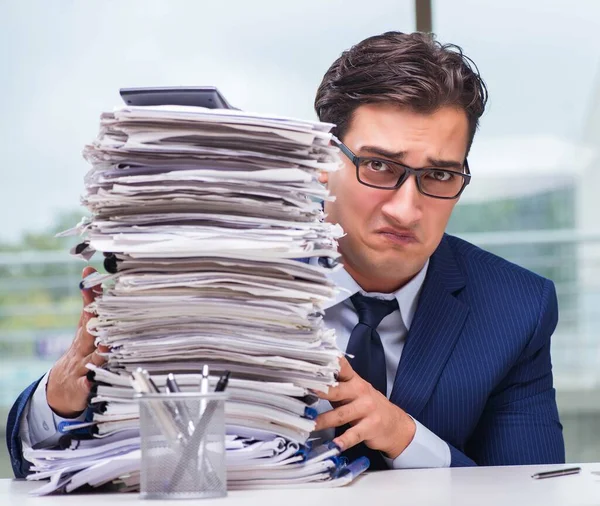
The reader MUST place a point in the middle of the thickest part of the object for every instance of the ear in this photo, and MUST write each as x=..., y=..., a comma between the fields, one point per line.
x=324, y=177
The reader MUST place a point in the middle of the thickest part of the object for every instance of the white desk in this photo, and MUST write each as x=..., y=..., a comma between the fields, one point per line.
x=483, y=486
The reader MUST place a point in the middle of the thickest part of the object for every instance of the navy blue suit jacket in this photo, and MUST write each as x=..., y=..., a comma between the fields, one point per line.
x=475, y=368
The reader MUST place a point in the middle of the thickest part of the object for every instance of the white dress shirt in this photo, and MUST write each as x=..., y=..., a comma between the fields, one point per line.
x=426, y=449
x=39, y=425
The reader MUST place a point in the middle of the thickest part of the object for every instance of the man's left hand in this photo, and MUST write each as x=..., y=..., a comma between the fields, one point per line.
x=373, y=418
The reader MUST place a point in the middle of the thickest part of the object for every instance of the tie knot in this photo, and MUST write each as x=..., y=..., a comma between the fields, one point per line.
x=372, y=310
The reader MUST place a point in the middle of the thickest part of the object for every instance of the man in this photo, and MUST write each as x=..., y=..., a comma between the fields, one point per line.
x=450, y=345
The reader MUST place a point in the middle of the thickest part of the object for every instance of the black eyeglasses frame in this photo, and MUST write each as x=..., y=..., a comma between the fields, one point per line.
x=408, y=171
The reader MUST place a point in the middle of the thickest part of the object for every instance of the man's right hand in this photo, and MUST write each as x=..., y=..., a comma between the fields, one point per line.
x=68, y=388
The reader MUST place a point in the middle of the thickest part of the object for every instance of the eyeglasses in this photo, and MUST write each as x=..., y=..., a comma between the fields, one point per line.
x=384, y=174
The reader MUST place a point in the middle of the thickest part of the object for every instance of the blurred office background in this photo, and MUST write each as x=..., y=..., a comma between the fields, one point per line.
x=534, y=198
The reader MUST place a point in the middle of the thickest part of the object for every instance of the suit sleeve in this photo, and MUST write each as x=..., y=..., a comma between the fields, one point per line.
x=13, y=439
x=520, y=423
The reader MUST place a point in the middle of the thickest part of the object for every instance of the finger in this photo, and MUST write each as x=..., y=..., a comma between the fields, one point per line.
x=344, y=391
x=353, y=436
x=337, y=404
x=92, y=358
x=86, y=293
x=78, y=394
x=96, y=359
x=84, y=342
x=82, y=391
x=346, y=372
x=87, y=270
x=86, y=316
x=83, y=314
x=90, y=294
x=339, y=416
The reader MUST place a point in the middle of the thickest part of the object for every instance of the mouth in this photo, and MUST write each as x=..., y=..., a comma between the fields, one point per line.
x=397, y=236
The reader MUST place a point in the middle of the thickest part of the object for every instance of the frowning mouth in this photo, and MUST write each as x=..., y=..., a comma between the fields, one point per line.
x=398, y=236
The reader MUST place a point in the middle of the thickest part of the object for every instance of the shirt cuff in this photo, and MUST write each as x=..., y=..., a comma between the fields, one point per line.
x=42, y=422
x=424, y=451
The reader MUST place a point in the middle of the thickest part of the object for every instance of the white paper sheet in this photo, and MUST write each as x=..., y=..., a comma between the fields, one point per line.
x=205, y=216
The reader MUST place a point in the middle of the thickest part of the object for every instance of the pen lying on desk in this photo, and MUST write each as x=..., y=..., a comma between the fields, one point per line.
x=556, y=472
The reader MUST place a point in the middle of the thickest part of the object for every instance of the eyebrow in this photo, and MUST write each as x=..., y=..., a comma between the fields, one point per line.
x=400, y=155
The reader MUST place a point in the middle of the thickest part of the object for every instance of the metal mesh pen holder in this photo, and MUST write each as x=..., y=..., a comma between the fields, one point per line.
x=183, y=445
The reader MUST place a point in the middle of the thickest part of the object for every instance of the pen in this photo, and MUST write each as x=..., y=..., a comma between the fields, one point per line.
x=204, y=380
x=203, y=387
x=222, y=383
x=203, y=406
x=180, y=409
x=557, y=472
x=172, y=385
x=192, y=449
x=144, y=384
x=202, y=411
x=155, y=389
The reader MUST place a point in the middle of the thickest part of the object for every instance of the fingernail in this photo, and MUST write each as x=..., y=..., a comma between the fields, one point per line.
x=336, y=444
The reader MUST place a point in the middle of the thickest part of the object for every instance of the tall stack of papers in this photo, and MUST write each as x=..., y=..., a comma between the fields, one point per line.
x=206, y=219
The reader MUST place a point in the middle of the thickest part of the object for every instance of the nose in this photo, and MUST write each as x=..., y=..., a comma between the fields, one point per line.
x=404, y=205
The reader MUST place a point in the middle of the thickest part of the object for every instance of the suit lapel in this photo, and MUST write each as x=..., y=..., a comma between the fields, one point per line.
x=437, y=324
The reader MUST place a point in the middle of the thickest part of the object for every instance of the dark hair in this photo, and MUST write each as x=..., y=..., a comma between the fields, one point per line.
x=412, y=70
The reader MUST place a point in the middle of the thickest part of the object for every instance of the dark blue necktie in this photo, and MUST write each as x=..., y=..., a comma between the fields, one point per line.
x=369, y=360
x=365, y=343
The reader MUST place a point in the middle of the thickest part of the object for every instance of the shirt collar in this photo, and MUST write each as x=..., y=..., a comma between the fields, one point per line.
x=407, y=296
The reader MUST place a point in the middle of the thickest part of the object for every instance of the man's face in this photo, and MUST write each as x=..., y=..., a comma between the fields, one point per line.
x=390, y=234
